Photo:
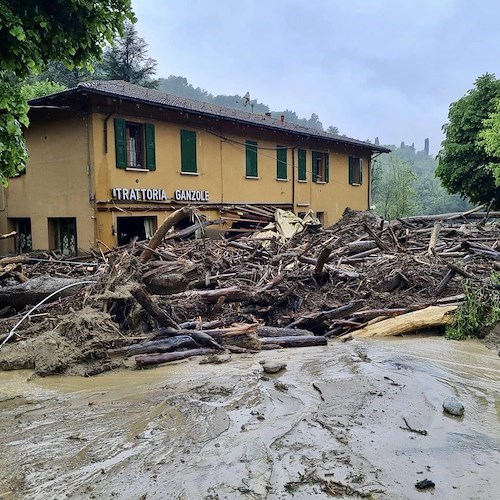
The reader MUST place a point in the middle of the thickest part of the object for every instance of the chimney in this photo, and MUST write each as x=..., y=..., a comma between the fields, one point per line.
x=282, y=118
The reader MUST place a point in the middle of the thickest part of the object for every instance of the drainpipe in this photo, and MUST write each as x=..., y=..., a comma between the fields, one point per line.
x=106, y=132
x=293, y=179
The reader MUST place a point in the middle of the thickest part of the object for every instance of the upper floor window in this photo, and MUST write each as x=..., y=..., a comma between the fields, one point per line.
x=320, y=167
x=281, y=162
x=188, y=152
x=135, y=145
x=302, y=155
x=251, y=159
x=355, y=171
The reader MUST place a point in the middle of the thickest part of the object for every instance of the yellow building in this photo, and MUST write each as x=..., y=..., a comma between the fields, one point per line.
x=110, y=160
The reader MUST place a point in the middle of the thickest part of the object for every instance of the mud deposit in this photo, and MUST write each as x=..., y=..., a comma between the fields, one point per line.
x=331, y=424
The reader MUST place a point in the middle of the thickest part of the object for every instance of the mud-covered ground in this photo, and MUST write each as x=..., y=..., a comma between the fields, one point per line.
x=330, y=425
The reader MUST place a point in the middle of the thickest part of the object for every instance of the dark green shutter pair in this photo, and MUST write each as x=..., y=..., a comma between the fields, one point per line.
x=188, y=151
x=316, y=155
x=121, y=144
x=281, y=162
x=251, y=159
x=302, y=154
x=353, y=164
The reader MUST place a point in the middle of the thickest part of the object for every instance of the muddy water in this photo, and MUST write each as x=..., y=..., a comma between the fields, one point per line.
x=332, y=423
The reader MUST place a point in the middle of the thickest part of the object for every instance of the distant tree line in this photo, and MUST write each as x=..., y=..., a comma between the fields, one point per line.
x=404, y=184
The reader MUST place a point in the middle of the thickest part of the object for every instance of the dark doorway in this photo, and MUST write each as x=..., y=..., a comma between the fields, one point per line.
x=132, y=227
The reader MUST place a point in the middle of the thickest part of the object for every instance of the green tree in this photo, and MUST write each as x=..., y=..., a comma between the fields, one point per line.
x=31, y=34
x=465, y=160
x=40, y=88
x=394, y=188
x=127, y=59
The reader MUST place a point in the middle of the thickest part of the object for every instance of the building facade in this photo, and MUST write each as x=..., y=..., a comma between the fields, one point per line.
x=110, y=160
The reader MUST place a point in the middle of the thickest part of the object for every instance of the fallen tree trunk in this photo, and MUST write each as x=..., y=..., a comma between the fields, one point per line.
x=139, y=293
x=167, y=357
x=36, y=289
x=294, y=341
x=430, y=317
x=231, y=294
x=160, y=233
x=273, y=331
x=165, y=345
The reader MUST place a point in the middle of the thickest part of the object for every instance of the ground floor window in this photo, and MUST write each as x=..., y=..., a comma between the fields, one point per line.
x=22, y=226
x=129, y=228
x=62, y=235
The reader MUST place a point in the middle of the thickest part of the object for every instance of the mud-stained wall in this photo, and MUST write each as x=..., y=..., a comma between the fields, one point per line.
x=56, y=182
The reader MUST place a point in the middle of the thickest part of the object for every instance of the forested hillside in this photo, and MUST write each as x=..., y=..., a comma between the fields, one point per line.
x=404, y=183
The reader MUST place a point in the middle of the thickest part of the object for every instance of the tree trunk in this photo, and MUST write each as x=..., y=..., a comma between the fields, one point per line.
x=167, y=357
x=294, y=341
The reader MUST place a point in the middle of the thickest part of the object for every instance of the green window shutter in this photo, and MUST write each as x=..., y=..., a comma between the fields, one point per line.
x=120, y=143
x=281, y=166
x=361, y=170
x=251, y=159
x=188, y=151
x=149, y=134
x=326, y=157
x=315, y=157
x=302, y=165
x=351, y=169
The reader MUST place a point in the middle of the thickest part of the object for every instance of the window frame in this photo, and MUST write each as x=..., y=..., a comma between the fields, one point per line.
x=355, y=171
x=302, y=165
x=146, y=145
x=251, y=159
x=320, y=173
x=189, y=158
x=281, y=163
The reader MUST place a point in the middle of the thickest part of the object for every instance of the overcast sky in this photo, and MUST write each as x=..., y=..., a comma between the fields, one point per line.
x=387, y=68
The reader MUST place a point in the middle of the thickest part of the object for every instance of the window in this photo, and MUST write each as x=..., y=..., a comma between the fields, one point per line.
x=281, y=162
x=251, y=159
x=135, y=227
x=355, y=171
x=188, y=152
x=22, y=226
x=135, y=145
x=62, y=235
x=302, y=155
x=320, y=167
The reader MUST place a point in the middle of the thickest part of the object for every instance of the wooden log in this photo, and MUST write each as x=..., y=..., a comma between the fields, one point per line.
x=444, y=282
x=160, y=233
x=431, y=250
x=294, y=341
x=272, y=331
x=459, y=270
x=16, y=259
x=430, y=317
x=164, y=345
x=36, y=289
x=171, y=278
x=337, y=313
x=166, y=357
x=381, y=244
x=196, y=325
x=374, y=313
x=183, y=233
x=357, y=247
x=231, y=294
x=322, y=260
x=8, y=235
x=151, y=307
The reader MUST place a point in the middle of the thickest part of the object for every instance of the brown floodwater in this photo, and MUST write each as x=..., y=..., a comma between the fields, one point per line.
x=331, y=424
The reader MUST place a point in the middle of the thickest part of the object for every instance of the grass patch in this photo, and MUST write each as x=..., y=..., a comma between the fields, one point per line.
x=480, y=310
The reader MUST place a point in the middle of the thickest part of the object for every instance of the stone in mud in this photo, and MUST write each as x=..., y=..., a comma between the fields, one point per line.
x=270, y=367
x=453, y=406
x=423, y=485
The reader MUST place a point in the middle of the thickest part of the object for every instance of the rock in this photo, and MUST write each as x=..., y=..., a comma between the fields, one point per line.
x=453, y=406
x=271, y=367
x=424, y=484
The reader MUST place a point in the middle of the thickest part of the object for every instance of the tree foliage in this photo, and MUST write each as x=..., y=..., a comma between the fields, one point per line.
x=35, y=32
x=127, y=59
x=40, y=88
x=466, y=159
x=420, y=192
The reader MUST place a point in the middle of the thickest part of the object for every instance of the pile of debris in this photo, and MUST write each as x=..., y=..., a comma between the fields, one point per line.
x=289, y=284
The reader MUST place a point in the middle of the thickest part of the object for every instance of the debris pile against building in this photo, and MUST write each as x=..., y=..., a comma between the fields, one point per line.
x=289, y=283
